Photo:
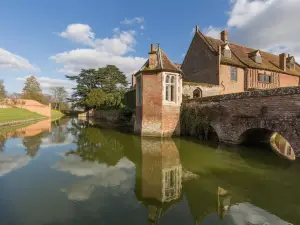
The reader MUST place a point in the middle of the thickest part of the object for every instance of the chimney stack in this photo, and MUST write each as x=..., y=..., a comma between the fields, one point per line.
x=133, y=81
x=282, y=61
x=153, y=60
x=224, y=36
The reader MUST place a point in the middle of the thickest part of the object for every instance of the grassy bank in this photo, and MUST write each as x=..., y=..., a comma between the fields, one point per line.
x=55, y=114
x=15, y=114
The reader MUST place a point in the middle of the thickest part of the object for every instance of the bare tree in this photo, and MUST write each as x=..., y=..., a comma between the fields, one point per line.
x=59, y=95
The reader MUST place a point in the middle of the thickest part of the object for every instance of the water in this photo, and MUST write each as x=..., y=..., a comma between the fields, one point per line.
x=67, y=172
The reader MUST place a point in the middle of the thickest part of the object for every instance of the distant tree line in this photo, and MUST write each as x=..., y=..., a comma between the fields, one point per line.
x=101, y=88
x=32, y=90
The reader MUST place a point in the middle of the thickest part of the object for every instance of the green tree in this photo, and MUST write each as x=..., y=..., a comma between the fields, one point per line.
x=32, y=144
x=94, y=146
x=86, y=81
x=109, y=79
x=95, y=98
x=32, y=90
x=59, y=95
x=2, y=90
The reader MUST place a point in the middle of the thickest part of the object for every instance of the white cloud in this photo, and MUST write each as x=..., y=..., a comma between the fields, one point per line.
x=120, y=44
x=133, y=20
x=98, y=175
x=48, y=82
x=142, y=27
x=105, y=51
x=116, y=30
x=79, y=33
x=268, y=25
x=10, y=162
x=243, y=11
x=213, y=31
x=75, y=60
x=9, y=60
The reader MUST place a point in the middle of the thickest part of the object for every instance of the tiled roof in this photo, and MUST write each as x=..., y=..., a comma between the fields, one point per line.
x=240, y=57
x=164, y=63
x=178, y=65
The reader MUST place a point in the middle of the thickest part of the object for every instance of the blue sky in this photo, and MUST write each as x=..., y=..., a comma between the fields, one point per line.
x=54, y=38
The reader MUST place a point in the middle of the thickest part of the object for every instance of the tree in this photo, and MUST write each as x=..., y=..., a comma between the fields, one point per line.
x=2, y=90
x=96, y=98
x=109, y=79
x=32, y=144
x=59, y=95
x=32, y=90
x=86, y=81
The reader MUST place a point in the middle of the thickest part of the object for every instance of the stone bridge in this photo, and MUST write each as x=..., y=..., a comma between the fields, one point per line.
x=234, y=116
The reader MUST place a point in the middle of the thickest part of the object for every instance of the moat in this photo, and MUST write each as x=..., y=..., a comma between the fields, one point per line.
x=72, y=172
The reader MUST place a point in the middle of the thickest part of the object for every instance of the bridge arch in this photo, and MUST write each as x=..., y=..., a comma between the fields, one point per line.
x=277, y=142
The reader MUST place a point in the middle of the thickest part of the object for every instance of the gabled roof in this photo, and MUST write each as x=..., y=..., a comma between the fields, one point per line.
x=240, y=56
x=164, y=63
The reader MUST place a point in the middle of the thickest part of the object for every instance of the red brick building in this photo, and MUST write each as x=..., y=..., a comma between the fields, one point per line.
x=236, y=68
x=158, y=96
x=211, y=67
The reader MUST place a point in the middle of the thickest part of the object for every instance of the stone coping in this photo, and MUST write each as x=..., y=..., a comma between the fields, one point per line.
x=248, y=94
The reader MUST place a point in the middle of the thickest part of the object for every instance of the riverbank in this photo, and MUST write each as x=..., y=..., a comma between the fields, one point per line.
x=17, y=116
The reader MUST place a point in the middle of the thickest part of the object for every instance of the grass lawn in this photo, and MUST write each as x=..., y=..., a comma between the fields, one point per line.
x=13, y=114
x=56, y=114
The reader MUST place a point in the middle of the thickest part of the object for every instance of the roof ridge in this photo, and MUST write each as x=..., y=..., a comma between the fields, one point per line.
x=169, y=59
x=206, y=41
x=160, y=58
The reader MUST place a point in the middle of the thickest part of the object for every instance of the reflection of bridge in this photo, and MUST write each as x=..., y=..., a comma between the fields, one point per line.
x=234, y=115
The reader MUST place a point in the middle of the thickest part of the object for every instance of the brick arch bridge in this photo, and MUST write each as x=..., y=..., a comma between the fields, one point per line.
x=232, y=115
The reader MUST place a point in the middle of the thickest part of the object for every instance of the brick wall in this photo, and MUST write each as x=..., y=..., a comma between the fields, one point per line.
x=277, y=110
x=32, y=106
x=170, y=120
x=207, y=90
x=288, y=80
x=152, y=104
x=200, y=64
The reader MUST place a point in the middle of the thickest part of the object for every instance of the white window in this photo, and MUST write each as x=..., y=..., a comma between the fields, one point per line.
x=172, y=88
x=139, y=90
x=233, y=73
x=264, y=78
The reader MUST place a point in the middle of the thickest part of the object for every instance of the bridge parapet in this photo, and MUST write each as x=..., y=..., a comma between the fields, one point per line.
x=249, y=94
x=231, y=115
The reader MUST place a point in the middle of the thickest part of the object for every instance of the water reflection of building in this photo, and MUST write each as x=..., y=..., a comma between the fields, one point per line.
x=238, y=213
x=282, y=146
x=160, y=176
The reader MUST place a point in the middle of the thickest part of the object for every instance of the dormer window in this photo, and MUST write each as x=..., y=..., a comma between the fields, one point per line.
x=290, y=62
x=255, y=56
x=226, y=52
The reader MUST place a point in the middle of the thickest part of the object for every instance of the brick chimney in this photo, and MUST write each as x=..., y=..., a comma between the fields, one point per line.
x=224, y=36
x=133, y=81
x=282, y=61
x=153, y=60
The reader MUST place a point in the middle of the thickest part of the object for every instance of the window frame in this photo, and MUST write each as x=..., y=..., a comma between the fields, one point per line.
x=233, y=69
x=265, y=78
x=171, y=88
